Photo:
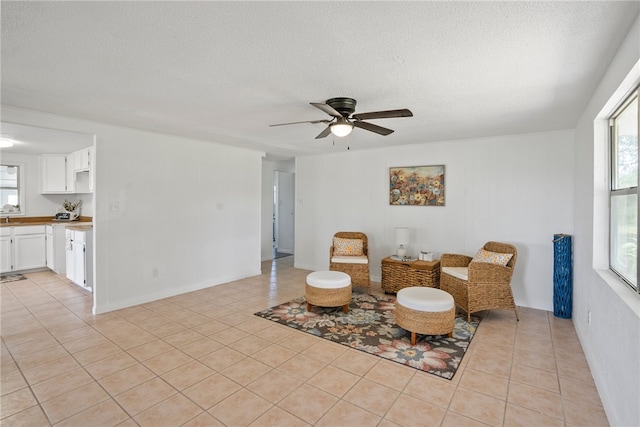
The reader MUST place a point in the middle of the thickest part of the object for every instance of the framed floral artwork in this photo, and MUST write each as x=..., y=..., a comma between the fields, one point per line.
x=416, y=186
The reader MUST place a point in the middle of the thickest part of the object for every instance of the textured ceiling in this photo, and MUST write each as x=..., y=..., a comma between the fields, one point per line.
x=224, y=71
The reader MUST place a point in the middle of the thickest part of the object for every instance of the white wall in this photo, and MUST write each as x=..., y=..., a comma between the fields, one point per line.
x=285, y=211
x=611, y=341
x=37, y=204
x=268, y=169
x=516, y=189
x=190, y=209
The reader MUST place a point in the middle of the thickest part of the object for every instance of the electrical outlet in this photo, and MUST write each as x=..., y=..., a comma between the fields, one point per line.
x=114, y=206
x=589, y=317
x=155, y=273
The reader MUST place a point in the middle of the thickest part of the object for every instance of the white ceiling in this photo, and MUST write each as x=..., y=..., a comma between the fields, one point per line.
x=38, y=140
x=224, y=71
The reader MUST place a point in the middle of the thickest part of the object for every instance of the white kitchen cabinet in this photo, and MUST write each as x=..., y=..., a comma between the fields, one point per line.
x=71, y=177
x=81, y=160
x=56, y=175
x=70, y=173
x=70, y=259
x=50, y=247
x=55, y=248
x=82, y=170
x=79, y=262
x=23, y=248
x=82, y=182
x=53, y=173
x=6, y=250
x=29, y=247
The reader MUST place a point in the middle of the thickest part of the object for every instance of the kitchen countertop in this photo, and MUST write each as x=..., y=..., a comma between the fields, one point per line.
x=78, y=227
x=43, y=220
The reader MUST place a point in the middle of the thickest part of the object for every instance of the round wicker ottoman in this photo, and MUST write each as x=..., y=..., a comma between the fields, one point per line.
x=328, y=289
x=427, y=311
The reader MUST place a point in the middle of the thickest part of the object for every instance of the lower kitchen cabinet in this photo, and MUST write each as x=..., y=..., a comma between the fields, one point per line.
x=23, y=248
x=79, y=257
x=56, y=253
x=6, y=250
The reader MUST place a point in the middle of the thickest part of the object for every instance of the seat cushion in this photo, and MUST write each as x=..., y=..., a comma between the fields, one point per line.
x=461, y=273
x=426, y=299
x=348, y=247
x=328, y=279
x=362, y=259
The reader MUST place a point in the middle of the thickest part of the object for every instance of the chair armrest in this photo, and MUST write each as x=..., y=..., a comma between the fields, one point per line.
x=454, y=260
x=483, y=272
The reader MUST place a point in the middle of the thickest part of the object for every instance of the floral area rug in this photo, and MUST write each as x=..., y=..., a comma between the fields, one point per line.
x=370, y=326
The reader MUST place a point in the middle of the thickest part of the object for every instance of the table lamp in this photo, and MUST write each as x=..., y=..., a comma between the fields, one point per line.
x=402, y=238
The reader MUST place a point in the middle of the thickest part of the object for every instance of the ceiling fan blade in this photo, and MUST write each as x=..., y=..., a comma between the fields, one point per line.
x=371, y=127
x=324, y=133
x=327, y=109
x=383, y=114
x=296, y=123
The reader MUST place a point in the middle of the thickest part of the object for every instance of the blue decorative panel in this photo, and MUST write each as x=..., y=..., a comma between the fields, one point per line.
x=562, y=276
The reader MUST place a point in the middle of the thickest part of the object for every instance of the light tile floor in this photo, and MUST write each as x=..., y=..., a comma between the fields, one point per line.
x=203, y=359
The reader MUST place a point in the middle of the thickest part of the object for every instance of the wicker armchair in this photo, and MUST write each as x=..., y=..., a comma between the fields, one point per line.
x=478, y=286
x=355, y=266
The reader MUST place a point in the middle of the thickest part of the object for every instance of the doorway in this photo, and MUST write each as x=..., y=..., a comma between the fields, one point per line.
x=283, y=213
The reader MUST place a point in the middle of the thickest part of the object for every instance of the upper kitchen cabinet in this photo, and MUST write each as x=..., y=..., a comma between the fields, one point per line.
x=83, y=170
x=81, y=160
x=66, y=173
x=56, y=176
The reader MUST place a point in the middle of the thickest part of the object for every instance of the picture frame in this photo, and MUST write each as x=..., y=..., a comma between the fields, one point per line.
x=417, y=186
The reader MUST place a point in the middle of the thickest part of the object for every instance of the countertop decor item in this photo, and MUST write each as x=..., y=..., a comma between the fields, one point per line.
x=370, y=326
x=73, y=208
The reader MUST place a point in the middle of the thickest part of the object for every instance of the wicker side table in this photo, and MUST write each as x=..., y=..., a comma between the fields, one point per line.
x=397, y=275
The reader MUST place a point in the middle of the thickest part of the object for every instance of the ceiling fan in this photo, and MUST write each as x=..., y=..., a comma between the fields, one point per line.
x=343, y=120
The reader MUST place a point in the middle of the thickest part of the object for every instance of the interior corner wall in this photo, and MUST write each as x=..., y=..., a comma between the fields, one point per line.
x=516, y=189
x=187, y=209
x=611, y=339
x=269, y=167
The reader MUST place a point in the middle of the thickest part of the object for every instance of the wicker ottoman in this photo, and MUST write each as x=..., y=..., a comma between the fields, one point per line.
x=426, y=311
x=328, y=289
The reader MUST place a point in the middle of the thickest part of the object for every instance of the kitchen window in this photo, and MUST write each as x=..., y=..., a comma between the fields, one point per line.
x=11, y=189
x=623, y=222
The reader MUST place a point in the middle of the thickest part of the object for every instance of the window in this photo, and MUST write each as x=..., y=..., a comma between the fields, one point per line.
x=623, y=251
x=11, y=191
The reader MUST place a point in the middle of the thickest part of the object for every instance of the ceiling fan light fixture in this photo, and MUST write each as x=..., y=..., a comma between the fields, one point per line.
x=341, y=128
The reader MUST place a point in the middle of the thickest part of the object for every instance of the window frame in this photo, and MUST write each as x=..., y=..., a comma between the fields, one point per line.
x=21, y=189
x=634, y=95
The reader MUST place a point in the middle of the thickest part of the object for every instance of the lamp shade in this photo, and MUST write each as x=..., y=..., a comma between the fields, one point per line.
x=342, y=127
x=402, y=235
